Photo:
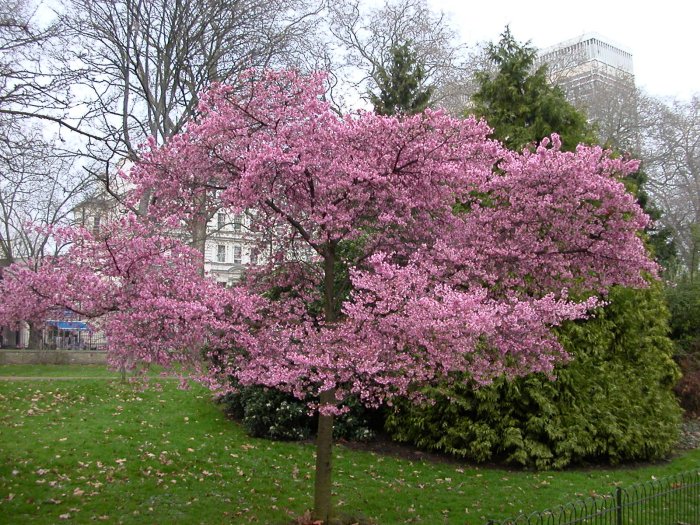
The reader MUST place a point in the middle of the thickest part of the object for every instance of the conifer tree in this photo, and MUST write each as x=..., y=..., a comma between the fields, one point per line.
x=520, y=104
x=401, y=84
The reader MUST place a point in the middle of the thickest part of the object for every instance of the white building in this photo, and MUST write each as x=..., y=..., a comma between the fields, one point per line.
x=229, y=247
x=597, y=76
x=587, y=62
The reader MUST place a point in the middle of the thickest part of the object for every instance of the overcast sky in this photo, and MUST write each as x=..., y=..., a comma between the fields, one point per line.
x=663, y=37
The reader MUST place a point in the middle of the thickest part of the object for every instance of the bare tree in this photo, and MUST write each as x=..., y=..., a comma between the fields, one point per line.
x=36, y=181
x=34, y=86
x=671, y=153
x=38, y=187
x=606, y=94
x=145, y=62
x=614, y=111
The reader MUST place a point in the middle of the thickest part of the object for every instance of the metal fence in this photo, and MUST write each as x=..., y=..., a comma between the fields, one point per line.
x=668, y=501
x=71, y=336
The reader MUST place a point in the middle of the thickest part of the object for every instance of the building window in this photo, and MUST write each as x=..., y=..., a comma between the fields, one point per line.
x=96, y=225
x=237, y=223
x=254, y=256
x=237, y=259
x=221, y=220
x=221, y=253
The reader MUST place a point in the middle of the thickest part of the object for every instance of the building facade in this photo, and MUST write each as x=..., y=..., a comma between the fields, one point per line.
x=230, y=247
x=588, y=65
x=597, y=77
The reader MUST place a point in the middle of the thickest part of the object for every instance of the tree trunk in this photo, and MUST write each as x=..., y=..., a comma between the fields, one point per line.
x=35, y=337
x=324, y=456
x=199, y=228
x=324, y=441
x=199, y=238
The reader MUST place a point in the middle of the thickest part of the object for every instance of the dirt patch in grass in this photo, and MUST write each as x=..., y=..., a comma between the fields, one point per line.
x=383, y=446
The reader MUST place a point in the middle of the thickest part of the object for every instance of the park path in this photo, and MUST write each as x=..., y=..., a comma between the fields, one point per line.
x=45, y=378
x=68, y=378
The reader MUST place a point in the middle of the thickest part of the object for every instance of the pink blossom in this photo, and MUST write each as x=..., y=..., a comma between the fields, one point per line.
x=432, y=248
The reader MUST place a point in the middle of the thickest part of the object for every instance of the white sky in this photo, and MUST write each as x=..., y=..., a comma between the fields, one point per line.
x=663, y=37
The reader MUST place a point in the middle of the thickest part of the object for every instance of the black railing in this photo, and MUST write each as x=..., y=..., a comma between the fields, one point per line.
x=669, y=501
x=71, y=335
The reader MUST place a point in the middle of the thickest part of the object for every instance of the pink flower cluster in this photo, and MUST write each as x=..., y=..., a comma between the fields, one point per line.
x=397, y=250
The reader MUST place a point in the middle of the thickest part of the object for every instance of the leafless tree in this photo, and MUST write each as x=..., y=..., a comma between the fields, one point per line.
x=34, y=86
x=144, y=62
x=671, y=153
x=610, y=100
x=38, y=187
x=36, y=184
x=562, y=62
x=614, y=110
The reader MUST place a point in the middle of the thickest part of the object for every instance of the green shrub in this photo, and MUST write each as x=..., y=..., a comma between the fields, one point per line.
x=269, y=413
x=684, y=303
x=613, y=402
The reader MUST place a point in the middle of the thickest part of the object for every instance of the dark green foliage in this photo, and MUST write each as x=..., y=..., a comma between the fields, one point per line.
x=684, y=303
x=662, y=247
x=688, y=388
x=520, y=104
x=269, y=413
x=360, y=423
x=694, y=253
x=613, y=402
x=401, y=84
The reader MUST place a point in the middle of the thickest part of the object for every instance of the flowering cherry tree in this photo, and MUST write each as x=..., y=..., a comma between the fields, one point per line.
x=393, y=252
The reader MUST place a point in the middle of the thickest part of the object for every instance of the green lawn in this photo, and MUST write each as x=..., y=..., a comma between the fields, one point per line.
x=98, y=371
x=86, y=451
x=67, y=371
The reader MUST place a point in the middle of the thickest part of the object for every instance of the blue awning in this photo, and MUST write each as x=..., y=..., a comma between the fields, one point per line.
x=68, y=325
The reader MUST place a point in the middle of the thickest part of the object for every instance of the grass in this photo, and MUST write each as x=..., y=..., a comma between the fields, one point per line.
x=68, y=371
x=79, y=451
x=48, y=371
